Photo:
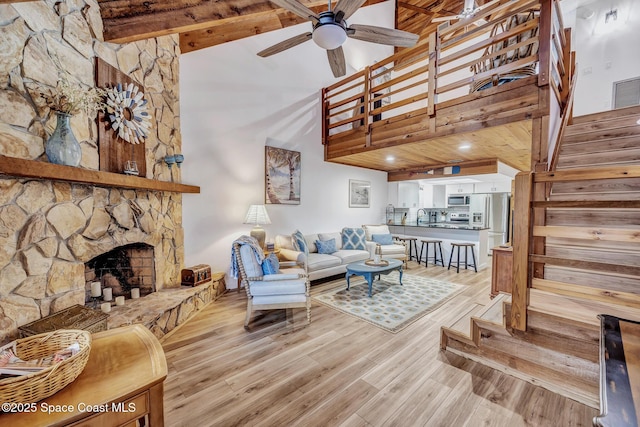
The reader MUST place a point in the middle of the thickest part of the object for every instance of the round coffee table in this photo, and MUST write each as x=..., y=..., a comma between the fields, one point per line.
x=370, y=271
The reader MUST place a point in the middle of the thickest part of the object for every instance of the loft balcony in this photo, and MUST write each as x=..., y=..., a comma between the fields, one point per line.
x=498, y=82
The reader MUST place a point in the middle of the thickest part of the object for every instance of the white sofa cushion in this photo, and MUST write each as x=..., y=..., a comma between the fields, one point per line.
x=284, y=241
x=319, y=261
x=351, y=255
x=278, y=287
x=311, y=242
x=370, y=230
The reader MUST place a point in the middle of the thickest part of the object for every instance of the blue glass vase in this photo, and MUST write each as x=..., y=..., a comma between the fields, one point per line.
x=62, y=147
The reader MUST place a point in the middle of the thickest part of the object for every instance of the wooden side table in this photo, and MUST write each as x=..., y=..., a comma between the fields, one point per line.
x=121, y=383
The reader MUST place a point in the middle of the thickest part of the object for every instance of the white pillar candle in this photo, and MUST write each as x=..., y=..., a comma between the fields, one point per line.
x=120, y=300
x=105, y=307
x=107, y=294
x=96, y=289
x=135, y=293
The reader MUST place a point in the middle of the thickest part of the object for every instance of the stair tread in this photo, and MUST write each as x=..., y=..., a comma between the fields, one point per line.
x=491, y=312
x=582, y=310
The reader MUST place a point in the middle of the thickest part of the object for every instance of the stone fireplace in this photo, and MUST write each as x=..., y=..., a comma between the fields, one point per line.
x=121, y=269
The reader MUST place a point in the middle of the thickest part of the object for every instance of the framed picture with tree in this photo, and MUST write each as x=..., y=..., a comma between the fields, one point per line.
x=282, y=176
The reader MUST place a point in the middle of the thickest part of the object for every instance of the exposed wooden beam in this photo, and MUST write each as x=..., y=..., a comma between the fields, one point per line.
x=215, y=21
x=478, y=167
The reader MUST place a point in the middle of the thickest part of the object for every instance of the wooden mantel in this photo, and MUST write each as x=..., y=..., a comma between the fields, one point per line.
x=22, y=168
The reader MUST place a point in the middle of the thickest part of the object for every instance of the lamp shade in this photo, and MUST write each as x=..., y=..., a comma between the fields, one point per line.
x=257, y=214
x=329, y=36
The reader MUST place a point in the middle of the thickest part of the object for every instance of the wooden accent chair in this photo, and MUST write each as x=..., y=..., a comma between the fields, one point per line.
x=285, y=289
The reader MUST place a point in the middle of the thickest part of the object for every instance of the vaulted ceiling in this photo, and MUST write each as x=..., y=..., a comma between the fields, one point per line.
x=205, y=23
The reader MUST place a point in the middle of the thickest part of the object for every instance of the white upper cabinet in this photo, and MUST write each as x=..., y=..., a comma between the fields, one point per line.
x=455, y=189
x=493, y=187
x=408, y=195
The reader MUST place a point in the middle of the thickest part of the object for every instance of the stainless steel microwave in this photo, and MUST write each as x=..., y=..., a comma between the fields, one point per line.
x=458, y=200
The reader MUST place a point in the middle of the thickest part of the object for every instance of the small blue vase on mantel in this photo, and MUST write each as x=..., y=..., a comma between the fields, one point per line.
x=62, y=147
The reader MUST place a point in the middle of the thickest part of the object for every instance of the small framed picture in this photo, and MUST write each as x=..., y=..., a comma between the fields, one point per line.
x=359, y=194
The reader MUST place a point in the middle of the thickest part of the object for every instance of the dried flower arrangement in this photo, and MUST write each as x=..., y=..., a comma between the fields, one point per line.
x=71, y=99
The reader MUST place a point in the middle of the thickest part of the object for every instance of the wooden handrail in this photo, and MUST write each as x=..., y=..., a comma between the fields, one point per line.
x=567, y=113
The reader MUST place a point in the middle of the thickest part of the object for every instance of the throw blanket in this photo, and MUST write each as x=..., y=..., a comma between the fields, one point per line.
x=257, y=250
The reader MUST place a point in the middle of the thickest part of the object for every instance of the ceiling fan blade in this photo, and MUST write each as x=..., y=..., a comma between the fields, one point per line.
x=297, y=8
x=337, y=62
x=381, y=35
x=285, y=44
x=347, y=7
x=446, y=18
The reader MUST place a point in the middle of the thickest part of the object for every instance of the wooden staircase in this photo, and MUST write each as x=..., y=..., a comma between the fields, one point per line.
x=586, y=253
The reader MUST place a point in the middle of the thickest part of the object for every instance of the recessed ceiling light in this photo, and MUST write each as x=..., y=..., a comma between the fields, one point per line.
x=454, y=161
x=464, y=146
x=638, y=122
x=390, y=158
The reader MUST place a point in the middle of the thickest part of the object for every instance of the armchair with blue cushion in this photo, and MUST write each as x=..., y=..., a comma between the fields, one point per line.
x=267, y=286
x=380, y=235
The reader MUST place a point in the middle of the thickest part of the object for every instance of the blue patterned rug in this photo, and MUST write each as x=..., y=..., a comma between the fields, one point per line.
x=391, y=307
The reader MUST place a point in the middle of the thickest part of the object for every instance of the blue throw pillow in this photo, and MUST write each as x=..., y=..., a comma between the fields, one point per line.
x=353, y=238
x=299, y=244
x=270, y=265
x=383, y=239
x=326, y=246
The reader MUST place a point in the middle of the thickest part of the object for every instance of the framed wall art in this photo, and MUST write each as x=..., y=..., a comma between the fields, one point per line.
x=282, y=176
x=359, y=194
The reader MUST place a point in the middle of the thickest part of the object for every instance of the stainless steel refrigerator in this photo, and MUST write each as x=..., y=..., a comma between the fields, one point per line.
x=491, y=211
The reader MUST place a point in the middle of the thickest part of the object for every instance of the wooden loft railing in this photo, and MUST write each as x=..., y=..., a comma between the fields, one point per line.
x=469, y=53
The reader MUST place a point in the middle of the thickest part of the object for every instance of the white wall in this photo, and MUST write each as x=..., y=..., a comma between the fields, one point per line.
x=233, y=103
x=605, y=53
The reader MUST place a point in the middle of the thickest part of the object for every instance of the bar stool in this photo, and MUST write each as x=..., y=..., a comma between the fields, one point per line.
x=457, y=246
x=437, y=245
x=413, y=247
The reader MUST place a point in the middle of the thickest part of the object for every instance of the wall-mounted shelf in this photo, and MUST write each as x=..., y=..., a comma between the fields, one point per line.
x=22, y=168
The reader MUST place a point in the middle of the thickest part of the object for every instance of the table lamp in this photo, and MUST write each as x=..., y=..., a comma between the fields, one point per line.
x=258, y=216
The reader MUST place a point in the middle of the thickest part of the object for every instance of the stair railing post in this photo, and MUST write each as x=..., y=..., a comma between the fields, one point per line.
x=434, y=54
x=544, y=50
x=522, y=232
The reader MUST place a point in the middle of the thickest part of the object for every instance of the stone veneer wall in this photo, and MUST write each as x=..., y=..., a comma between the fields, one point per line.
x=49, y=229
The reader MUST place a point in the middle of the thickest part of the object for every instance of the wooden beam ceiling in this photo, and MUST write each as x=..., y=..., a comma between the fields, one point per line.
x=205, y=23
x=200, y=23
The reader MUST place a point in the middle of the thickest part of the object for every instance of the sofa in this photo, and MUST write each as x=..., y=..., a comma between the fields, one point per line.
x=320, y=265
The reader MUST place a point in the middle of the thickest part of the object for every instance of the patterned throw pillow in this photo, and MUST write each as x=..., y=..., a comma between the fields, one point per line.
x=326, y=246
x=353, y=238
x=270, y=265
x=299, y=244
x=383, y=239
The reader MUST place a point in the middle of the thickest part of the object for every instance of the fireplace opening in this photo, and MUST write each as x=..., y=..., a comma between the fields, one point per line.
x=121, y=269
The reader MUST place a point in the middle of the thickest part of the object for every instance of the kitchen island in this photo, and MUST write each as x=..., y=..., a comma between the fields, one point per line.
x=448, y=233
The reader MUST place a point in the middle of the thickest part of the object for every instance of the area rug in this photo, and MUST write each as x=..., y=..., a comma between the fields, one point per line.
x=391, y=307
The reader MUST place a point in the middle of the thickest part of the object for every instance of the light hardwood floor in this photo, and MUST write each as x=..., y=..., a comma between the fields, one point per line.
x=341, y=371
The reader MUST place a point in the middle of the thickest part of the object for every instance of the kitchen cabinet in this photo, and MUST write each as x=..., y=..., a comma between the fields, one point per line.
x=439, y=196
x=408, y=195
x=493, y=187
x=457, y=189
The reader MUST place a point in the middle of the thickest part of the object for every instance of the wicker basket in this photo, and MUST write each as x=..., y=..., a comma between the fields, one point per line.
x=34, y=387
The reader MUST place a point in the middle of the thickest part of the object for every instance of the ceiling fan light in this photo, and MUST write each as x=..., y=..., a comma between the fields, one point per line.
x=329, y=36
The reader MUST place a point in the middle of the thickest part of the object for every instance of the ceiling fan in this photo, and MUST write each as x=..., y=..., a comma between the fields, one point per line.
x=330, y=31
x=468, y=10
